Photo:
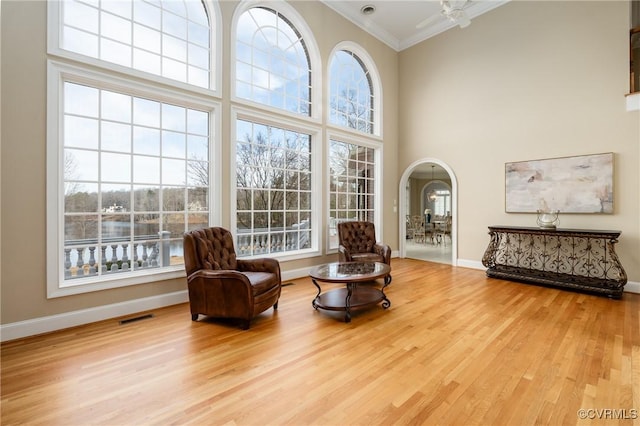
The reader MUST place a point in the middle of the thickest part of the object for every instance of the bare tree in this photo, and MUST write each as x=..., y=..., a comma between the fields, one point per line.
x=198, y=171
x=357, y=114
x=70, y=174
x=351, y=173
x=268, y=173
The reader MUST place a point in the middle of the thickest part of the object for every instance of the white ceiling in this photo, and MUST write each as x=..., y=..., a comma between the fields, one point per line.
x=394, y=21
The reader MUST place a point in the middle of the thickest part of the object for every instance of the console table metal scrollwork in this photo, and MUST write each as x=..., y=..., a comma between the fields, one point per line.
x=579, y=259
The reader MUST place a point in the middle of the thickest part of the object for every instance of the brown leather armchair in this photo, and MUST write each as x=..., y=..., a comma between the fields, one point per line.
x=225, y=287
x=358, y=244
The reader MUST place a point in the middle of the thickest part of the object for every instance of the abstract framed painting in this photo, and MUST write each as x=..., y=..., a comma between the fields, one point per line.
x=579, y=184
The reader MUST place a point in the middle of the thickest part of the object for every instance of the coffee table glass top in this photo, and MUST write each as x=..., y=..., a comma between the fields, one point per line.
x=350, y=271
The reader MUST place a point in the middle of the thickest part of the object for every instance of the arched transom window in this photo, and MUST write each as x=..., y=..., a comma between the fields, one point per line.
x=168, y=38
x=272, y=63
x=351, y=99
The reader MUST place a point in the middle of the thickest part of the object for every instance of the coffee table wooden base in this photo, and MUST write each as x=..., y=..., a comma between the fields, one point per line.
x=352, y=297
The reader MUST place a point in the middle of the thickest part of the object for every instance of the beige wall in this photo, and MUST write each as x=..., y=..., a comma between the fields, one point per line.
x=415, y=203
x=529, y=80
x=23, y=90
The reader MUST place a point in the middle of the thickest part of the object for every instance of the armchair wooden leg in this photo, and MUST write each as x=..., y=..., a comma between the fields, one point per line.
x=194, y=317
x=275, y=307
x=246, y=324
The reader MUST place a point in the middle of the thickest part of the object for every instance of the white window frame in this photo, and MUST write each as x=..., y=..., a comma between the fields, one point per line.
x=57, y=74
x=252, y=111
x=54, y=36
x=357, y=139
x=315, y=61
x=376, y=88
x=354, y=136
x=242, y=113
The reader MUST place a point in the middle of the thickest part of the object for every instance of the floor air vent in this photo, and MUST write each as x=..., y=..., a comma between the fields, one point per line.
x=134, y=319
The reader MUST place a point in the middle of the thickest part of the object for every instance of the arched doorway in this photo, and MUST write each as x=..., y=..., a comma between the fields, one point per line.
x=424, y=166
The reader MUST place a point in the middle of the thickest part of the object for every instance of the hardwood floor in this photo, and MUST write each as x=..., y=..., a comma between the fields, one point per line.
x=454, y=348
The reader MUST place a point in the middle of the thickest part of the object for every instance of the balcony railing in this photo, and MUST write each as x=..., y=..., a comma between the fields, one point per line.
x=87, y=257
x=251, y=242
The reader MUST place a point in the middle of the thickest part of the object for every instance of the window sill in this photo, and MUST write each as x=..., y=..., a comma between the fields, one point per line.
x=633, y=101
x=87, y=285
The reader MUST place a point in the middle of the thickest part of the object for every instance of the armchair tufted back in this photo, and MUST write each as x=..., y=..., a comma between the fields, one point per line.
x=209, y=248
x=357, y=237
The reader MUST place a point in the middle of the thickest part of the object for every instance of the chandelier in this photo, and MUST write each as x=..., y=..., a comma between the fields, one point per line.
x=432, y=194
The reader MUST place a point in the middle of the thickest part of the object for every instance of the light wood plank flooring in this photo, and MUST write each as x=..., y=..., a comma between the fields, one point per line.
x=455, y=348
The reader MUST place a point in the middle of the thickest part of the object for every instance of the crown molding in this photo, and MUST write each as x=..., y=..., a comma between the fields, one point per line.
x=477, y=8
x=363, y=22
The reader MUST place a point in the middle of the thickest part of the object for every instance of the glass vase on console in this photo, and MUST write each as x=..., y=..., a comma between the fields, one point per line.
x=548, y=219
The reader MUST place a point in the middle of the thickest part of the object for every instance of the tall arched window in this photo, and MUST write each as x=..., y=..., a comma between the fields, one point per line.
x=132, y=142
x=351, y=98
x=354, y=157
x=272, y=63
x=277, y=160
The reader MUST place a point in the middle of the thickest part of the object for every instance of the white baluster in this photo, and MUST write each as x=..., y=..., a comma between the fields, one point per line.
x=103, y=259
x=125, y=257
x=67, y=263
x=145, y=256
x=114, y=258
x=80, y=262
x=155, y=251
x=92, y=261
x=135, y=256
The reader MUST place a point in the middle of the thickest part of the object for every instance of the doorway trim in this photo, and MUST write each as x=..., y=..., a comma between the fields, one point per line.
x=402, y=219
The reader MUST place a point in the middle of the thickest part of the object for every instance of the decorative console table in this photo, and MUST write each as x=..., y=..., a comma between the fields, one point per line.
x=579, y=259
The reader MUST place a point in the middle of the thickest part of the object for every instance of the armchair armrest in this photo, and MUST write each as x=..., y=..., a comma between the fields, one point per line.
x=383, y=250
x=259, y=265
x=212, y=274
x=343, y=254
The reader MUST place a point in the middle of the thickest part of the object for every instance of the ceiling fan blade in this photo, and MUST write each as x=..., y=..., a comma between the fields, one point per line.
x=428, y=21
x=452, y=10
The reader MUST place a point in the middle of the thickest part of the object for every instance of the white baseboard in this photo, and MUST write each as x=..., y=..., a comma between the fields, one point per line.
x=51, y=323
x=632, y=287
x=295, y=274
x=473, y=264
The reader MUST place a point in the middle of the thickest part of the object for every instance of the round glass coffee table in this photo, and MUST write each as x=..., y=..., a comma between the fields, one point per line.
x=351, y=296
